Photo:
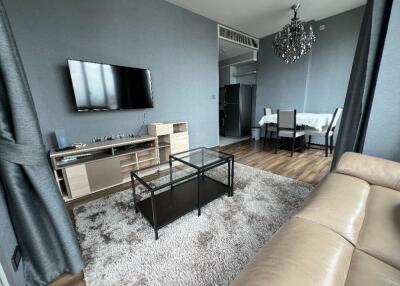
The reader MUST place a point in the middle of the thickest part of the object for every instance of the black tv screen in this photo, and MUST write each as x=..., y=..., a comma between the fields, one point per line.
x=109, y=87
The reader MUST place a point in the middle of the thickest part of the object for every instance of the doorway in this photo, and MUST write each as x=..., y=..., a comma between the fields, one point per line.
x=237, y=90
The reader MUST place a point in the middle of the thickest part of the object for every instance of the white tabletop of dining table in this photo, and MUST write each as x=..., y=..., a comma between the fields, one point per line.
x=317, y=121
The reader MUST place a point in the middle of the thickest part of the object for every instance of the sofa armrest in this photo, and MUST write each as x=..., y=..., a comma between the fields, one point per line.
x=375, y=171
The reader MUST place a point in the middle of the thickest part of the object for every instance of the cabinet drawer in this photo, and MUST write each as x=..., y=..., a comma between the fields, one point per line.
x=179, y=148
x=160, y=129
x=104, y=173
x=179, y=142
x=179, y=136
x=77, y=179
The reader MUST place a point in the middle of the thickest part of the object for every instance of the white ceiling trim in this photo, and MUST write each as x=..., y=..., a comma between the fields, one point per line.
x=260, y=18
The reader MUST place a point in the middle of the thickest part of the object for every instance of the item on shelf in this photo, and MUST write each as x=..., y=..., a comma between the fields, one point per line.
x=64, y=149
x=68, y=159
x=62, y=139
x=150, y=144
x=75, y=157
x=79, y=145
x=113, y=137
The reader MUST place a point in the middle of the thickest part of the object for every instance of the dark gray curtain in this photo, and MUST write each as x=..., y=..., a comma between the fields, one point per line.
x=364, y=74
x=40, y=219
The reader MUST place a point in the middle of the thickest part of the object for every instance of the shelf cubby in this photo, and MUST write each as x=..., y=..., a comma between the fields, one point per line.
x=180, y=127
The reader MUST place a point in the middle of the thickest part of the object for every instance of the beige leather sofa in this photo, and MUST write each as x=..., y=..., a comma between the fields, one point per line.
x=348, y=233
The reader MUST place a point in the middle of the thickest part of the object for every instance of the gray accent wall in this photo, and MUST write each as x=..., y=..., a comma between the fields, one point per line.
x=179, y=47
x=332, y=60
x=279, y=86
x=318, y=81
x=383, y=133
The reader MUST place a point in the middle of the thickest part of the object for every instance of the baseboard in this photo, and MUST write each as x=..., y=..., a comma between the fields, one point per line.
x=321, y=145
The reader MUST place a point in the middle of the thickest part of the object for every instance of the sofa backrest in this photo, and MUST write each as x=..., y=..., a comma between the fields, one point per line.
x=375, y=171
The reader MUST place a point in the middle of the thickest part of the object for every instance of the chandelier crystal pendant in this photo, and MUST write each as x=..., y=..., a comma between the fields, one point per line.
x=293, y=42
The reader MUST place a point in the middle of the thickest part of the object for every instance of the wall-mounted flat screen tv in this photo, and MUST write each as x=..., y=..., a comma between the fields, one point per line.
x=109, y=87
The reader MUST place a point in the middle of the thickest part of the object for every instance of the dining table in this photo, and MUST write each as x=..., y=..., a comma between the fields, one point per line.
x=317, y=121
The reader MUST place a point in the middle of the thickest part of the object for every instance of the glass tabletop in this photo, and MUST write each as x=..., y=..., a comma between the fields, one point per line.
x=162, y=175
x=201, y=157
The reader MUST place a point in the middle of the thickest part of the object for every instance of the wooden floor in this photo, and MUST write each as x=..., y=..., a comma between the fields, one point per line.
x=310, y=166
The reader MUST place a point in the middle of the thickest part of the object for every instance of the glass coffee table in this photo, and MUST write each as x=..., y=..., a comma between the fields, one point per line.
x=181, y=185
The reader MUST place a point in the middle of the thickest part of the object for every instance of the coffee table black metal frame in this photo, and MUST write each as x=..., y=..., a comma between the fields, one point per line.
x=185, y=193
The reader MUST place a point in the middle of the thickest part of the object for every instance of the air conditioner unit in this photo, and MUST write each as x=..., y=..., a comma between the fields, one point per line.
x=237, y=37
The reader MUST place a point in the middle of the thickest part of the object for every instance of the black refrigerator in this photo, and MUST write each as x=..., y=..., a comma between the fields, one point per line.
x=236, y=113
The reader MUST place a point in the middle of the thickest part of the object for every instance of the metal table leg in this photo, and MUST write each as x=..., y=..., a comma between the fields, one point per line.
x=202, y=160
x=153, y=208
x=229, y=178
x=198, y=194
x=232, y=176
x=134, y=192
x=170, y=171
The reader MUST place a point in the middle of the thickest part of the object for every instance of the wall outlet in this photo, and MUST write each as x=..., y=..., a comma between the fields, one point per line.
x=322, y=27
x=213, y=96
x=16, y=258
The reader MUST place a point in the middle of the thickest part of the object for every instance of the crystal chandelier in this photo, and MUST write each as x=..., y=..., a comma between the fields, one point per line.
x=293, y=42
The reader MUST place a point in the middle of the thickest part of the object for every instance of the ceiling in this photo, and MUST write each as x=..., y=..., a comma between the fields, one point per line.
x=229, y=50
x=260, y=18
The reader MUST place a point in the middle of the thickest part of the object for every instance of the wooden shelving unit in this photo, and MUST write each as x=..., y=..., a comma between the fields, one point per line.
x=107, y=164
x=172, y=137
x=103, y=165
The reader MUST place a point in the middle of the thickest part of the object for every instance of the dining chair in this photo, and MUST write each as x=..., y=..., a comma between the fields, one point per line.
x=287, y=128
x=269, y=127
x=327, y=132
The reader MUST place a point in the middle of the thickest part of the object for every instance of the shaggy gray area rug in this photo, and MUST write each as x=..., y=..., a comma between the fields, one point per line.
x=119, y=248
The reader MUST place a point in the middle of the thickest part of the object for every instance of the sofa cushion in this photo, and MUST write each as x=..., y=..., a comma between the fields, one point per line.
x=300, y=253
x=338, y=203
x=366, y=270
x=375, y=171
x=380, y=234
